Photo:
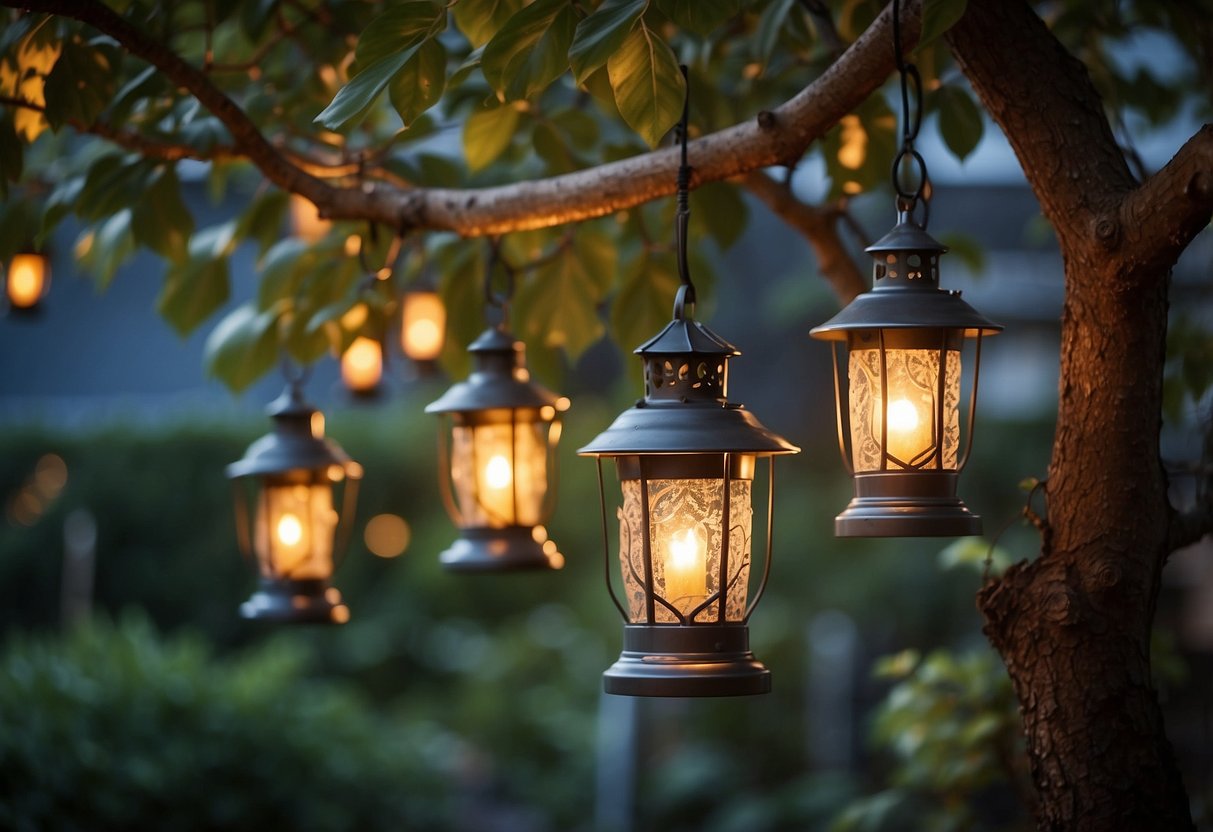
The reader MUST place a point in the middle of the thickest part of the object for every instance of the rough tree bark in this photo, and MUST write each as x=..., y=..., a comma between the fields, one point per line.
x=1073, y=626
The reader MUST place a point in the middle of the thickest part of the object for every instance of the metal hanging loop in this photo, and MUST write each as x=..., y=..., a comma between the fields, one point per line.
x=917, y=190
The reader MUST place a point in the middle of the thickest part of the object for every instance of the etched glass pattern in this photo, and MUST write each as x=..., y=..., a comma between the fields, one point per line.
x=494, y=485
x=913, y=387
x=685, y=519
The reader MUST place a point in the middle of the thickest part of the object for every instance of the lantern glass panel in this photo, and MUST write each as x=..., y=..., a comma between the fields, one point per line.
x=913, y=390
x=294, y=534
x=500, y=473
x=685, y=530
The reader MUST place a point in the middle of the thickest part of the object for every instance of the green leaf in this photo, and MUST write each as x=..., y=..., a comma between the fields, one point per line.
x=198, y=286
x=242, y=347
x=960, y=121
x=972, y=552
x=103, y=249
x=718, y=206
x=938, y=16
x=264, y=219
x=160, y=221
x=965, y=248
x=113, y=183
x=599, y=256
x=600, y=35
x=420, y=83
x=479, y=21
x=700, y=16
x=486, y=135
x=283, y=267
x=530, y=50
x=770, y=24
x=353, y=100
x=648, y=85
x=557, y=306
x=397, y=29
x=642, y=305
x=79, y=86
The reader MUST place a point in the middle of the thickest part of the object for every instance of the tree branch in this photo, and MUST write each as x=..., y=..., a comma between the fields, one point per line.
x=818, y=226
x=1170, y=208
x=778, y=137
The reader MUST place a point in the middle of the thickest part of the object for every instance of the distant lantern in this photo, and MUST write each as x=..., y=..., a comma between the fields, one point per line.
x=499, y=461
x=28, y=279
x=899, y=425
x=290, y=479
x=423, y=326
x=362, y=366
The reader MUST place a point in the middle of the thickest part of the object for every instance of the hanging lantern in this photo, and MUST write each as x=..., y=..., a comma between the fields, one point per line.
x=499, y=461
x=27, y=281
x=686, y=459
x=899, y=410
x=362, y=366
x=423, y=327
x=289, y=479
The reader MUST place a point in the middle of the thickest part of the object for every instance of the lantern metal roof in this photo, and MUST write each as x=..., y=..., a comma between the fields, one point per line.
x=297, y=442
x=499, y=379
x=685, y=409
x=906, y=292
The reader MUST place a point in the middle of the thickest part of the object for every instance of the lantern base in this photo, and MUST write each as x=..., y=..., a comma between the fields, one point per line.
x=509, y=549
x=690, y=660
x=296, y=602
x=907, y=504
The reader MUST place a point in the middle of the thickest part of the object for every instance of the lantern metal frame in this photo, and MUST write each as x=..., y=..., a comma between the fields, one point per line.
x=294, y=451
x=499, y=391
x=685, y=428
x=907, y=309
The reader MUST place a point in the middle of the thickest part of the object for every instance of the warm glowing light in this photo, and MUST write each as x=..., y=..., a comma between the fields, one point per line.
x=686, y=564
x=424, y=326
x=912, y=438
x=854, y=148
x=295, y=526
x=903, y=416
x=685, y=527
x=500, y=473
x=497, y=473
x=27, y=278
x=290, y=530
x=387, y=535
x=306, y=222
x=362, y=365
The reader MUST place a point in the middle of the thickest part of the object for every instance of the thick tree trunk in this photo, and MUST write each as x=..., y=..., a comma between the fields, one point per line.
x=1073, y=626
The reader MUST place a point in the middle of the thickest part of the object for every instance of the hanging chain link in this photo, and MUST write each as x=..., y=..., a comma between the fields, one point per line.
x=908, y=163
